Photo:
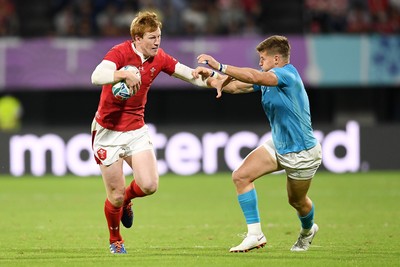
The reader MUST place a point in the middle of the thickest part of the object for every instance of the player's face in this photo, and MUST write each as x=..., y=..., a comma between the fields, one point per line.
x=267, y=62
x=149, y=44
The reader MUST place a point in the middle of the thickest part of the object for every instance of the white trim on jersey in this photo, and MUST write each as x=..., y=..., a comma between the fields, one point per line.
x=104, y=73
x=184, y=73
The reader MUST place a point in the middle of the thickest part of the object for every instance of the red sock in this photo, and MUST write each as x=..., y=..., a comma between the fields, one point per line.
x=132, y=191
x=113, y=216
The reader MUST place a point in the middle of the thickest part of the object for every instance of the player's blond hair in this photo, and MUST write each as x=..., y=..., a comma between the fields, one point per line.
x=144, y=22
x=275, y=44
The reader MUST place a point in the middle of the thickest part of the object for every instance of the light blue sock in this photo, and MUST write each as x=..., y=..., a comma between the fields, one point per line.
x=249, y=204
x=308, y=220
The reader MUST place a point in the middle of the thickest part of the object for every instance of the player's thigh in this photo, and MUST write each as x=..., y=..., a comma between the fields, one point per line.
x=257, y=163
x=144, y=166
x=113, y=176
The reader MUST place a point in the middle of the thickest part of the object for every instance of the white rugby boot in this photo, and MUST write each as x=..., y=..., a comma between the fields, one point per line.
x=250, y=242
x=304, y=241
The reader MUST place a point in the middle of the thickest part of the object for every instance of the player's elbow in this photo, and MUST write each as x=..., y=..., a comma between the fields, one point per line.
x=95, y=78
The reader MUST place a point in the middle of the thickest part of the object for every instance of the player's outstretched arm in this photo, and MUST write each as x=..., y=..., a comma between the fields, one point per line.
x=246, y=75
x=212, y=79
x=222, y=82
x=232, y=86
x=184, y=73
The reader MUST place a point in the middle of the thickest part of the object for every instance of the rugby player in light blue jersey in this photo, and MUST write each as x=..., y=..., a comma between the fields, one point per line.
x=293, y=147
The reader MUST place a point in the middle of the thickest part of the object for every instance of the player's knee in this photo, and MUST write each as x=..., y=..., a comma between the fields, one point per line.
x=296, y=203
x=116, y=198
x=238, y=178
x=150, y=187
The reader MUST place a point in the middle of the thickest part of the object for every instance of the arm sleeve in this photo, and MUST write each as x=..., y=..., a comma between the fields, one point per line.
x=104, y=73
x=284, y=77
x=184, y=73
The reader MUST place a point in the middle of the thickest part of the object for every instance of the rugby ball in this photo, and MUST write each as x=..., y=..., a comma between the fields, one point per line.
x=120, y=89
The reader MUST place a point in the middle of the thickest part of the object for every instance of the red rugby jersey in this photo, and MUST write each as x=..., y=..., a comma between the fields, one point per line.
x=128, y=115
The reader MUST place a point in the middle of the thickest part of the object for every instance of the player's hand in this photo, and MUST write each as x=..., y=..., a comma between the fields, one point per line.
x=133, y=82
x=220, y=84
x=201, y=71
x=209, y=60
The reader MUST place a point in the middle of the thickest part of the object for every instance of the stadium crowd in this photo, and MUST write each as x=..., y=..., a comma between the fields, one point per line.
x=82, y=18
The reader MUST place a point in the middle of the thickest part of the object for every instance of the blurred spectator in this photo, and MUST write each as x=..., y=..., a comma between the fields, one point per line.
x=86, y=25
x=170, y=19
x=394, y=18
x=123, y=20
x=74, y=18
x=64, y=21
x=8, y=18
x=316, y=16
x=352, y=16
x=233, y=16
x=359, y=20
x=107, y=21
x=378, y=12
x=83, y=18
x=214, y=25
x=395, y=4
x=250, y=28
x=326, y=16
x=377, y=7
x=385, y=16
x=156, y=6
x=338, y=15
x=252, y=9
x=194, y=18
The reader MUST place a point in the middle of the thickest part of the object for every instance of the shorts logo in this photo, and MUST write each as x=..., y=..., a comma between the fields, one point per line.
x=102, y=153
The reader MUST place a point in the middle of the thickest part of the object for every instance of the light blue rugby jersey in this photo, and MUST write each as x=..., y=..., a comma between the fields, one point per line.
x=288, y=111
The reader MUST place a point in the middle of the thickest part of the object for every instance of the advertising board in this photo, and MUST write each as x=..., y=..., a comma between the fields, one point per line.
x=191, y=149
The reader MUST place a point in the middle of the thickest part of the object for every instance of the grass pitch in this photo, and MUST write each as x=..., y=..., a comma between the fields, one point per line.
x=194, y=220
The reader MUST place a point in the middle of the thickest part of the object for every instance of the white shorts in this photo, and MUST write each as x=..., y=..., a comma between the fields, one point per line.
x=298, y=165
x=109, y=146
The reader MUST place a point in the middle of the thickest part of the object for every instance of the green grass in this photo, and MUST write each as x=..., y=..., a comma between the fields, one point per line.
x=193, y=221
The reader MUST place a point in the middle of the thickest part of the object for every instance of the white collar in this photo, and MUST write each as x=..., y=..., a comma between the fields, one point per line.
x=140, y=54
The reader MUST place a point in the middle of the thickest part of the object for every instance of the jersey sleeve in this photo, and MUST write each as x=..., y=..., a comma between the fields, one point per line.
x=256, y=87
x=169, y=63
x=116, y=55
x=285, y=77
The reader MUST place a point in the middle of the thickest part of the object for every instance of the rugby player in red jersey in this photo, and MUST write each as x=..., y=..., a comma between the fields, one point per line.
x=119, y=132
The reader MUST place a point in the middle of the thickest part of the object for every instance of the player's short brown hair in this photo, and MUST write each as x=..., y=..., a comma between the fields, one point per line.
x=144, y=22
x=275, y=44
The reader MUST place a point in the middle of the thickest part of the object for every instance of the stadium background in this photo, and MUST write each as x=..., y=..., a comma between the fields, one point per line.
x=354, y=89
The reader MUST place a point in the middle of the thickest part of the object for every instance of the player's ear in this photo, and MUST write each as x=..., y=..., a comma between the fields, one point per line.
x=136, y=37
x=276, y=58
